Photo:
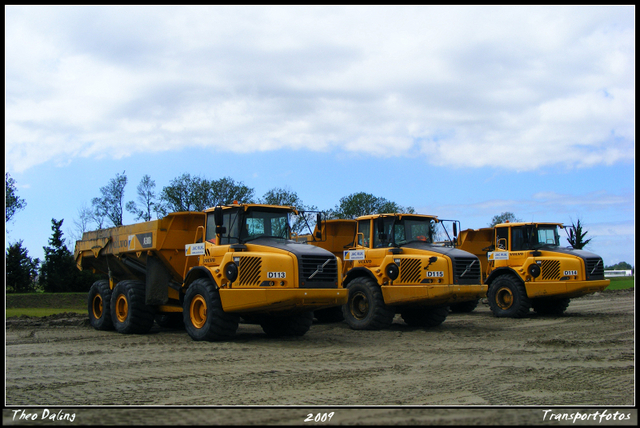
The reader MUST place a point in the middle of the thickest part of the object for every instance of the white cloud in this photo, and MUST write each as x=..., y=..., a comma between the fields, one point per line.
x=457, y=86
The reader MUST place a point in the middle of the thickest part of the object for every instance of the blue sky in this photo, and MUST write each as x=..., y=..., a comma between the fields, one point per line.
x=458, y=111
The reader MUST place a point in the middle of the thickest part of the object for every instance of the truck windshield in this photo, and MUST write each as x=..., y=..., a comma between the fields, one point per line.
x=403, y=231
x=548, y=235
x=264, y=223
x=242, y=226
x=530, y=237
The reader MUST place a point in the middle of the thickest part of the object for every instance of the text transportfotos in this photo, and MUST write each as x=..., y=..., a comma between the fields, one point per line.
x=577, y=416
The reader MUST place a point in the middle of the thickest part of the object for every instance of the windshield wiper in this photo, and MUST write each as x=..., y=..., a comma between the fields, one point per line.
x=411, y=241
x=263, y=236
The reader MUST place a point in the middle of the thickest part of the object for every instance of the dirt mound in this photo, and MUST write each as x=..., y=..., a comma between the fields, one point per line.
x=61, y=319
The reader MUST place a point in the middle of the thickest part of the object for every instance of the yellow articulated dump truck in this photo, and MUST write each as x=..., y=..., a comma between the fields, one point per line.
x=525, y=267
x=392, y=265
x=206, y=270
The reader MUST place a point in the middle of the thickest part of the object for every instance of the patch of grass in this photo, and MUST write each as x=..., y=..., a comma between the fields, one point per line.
x=44, y=304
x=621, y=283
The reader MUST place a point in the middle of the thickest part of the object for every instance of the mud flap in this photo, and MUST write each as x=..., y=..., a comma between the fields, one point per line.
x=158, y=279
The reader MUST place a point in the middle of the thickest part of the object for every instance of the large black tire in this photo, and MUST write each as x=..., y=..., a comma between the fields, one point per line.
x=203, y=316
x=365, y=309
x=548, y=306
x=129, y=312
x=464, y=307
x=99, y=304
x=329, y=315
x=287, y=325
x=425, y=316
x=508, y=298
x=170, y=320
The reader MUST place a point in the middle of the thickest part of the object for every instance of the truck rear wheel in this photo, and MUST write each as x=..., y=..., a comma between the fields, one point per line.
x=288, y=325
x=550, y=306
x=99, y=305
x=508, y=298
x=203, y=316
x=365, y=309
x=129, y=312
x=425, y=316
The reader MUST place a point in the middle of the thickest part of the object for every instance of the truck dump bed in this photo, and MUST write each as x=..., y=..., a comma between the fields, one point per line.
x=154, y=250
x=478, y=242
x=338, y=235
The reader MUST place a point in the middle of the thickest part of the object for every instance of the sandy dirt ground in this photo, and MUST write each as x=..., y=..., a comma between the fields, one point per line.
x=473, y=369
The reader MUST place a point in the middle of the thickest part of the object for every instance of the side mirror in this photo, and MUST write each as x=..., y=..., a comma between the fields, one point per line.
x=380, y=226
x=455, y=229
x=319, y=226
x=502, y=243
x=217, y=216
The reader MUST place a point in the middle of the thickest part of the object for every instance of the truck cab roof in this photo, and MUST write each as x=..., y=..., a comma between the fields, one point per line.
x=536, y=223
x=399, y=215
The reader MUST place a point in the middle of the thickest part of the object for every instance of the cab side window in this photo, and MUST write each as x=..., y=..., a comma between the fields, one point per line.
x=518, y=239
x=502, y=238
x=364, y=233
x=230, y=223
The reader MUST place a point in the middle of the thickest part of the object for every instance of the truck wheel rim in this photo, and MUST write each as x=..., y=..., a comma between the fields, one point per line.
x=198, y=311
x=122, y=308
x=96, y=306
x=504, y=298
x=359, y=305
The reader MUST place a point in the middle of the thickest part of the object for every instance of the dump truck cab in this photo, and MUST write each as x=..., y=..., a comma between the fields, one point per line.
x=525, y=267
x=248, y=251
x=392, y=265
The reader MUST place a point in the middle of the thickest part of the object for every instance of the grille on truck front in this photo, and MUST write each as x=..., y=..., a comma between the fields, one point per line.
x=466, y=270
x=595, y=268
x=249, y=271
x=410, y=271
x=550, y=269
x=318, y=271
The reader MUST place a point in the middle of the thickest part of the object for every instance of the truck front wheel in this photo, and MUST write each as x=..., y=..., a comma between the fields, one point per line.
x=365, y=309
x=99, y=306
x=508, y=297
x=129, y=312
x=203, y=316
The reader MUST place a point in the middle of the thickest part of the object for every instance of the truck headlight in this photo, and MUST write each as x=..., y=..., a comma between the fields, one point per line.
x=231, y=271
x=534, y=270
x=392, y=270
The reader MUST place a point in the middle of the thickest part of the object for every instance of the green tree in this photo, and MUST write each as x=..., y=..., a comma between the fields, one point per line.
x=58, y=272
x=359, y=204
x=13, y=202
x=504, y=218
x=146, y=198
x=576, y=235
x=176, y=196
x=21, y=270
x=186, y=193
x=226, y=190
x=280, y=196
x=620, y=266
x=110, y=204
